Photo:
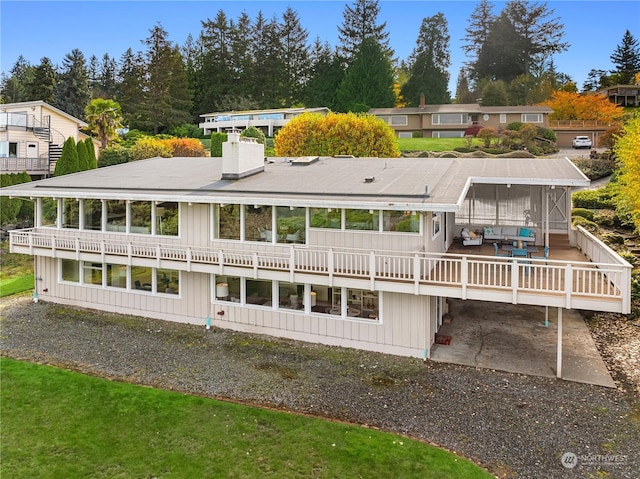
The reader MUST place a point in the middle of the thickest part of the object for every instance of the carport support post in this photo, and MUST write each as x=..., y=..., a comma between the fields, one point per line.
x=546, y=316
x=559, y=358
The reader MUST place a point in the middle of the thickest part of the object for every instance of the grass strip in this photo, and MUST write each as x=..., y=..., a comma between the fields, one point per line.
x=16, y=285
x=57, y=423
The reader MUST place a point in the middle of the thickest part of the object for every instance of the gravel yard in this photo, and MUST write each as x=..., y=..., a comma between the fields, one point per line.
x=514, y=425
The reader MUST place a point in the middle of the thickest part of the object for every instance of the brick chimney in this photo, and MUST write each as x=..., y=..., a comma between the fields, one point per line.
x=241, y=156
x=422, y=104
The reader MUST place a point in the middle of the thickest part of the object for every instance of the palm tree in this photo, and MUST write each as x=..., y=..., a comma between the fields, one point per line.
x=104, y=117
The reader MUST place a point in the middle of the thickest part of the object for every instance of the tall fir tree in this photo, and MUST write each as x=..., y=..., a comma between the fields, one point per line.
x=131, y=88
x=93, y=160
x=478, y=28
x=368, y=82
x=72, y=90
x=429, y=63
x=83, y=156
x=626, y=59
x=359, y=23
x=326, y=75
x=17, y=86
x=44, y=82
x=501, y=57
x=295, y=57
x=268, y=65
x=463, y=89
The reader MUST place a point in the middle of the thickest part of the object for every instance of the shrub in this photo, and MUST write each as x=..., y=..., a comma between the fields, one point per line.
x=584, y=212
x=91, y=150
x=83, y=156
x=189, y=147
x=187, y=130
x=217, y=139
x=515, y=126
x=147, y=147
x=417, y=134
x=585, y=223
x=606, y=218
x=595, y=168
x=612, y=239
x=547, y=134
x=253, y=132
x=360, y=135
x=629, y=257
x=14, y=209
x=472, y=130
x=114, y=155
x=68, y=162
x=593, y=199
x=487, y=134
x=132, y=136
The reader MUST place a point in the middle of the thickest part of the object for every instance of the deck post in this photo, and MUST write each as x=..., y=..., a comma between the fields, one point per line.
x=559, y=353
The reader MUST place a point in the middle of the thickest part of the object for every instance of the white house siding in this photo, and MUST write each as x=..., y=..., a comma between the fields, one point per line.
x=190, y=306
x=195, y=224
x=404, y=329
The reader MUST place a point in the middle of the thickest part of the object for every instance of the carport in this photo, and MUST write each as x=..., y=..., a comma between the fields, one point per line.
x=521, y=339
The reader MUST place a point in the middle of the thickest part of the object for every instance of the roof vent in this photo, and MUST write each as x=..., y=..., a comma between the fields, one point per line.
x=304, y=160
x=369, y=179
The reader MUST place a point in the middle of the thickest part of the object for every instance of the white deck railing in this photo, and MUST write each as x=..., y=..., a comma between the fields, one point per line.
x=608, y=281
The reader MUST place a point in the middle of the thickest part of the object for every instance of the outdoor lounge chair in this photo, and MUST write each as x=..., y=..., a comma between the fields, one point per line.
x=498, y=253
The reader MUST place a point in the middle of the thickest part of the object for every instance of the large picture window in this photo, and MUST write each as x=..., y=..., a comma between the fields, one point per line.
x=70, y=213
x=167, y=218
x=325, y=218
x=228, y=222
x=291, y=224
x=92, y=214
x=361, y=220
x=70, y=270
x=401, y=221
x=116, y=215
x=141, y=217
x=257, y=223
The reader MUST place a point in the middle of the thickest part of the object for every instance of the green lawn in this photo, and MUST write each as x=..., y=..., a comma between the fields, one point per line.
x=16, y=271
x=433, y=144
x=57, y=423
x=16, y=285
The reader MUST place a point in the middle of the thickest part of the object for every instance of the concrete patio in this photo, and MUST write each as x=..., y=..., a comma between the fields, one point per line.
x=514, y=338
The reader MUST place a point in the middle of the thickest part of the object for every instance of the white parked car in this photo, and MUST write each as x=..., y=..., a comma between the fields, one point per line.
x=581, y=142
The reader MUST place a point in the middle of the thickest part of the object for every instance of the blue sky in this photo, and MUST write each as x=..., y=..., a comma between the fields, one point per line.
x=35, y=29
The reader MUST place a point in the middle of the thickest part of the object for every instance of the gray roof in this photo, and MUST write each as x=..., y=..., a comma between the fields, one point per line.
x=329, y=182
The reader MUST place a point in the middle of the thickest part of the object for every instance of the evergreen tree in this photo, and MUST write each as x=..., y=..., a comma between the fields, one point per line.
x=326, y=75
x=72, y=91
x=494, y=93
x=368, y=82
x=268, y=65
x=83, y=156
x=214, y=79
x=501, y=57
x=167, y=100
x=44, y=82
x=295, y=57
x=106, y=79
x=428, y=64
x=541, y=35
x=16, y=87
x=132, y=79
x=242, y=58
x=596, y=80
x=93, y=160
x=69, y=161
x=478, y=29
x=463, y=90
x=358, y=24
x=626, y=57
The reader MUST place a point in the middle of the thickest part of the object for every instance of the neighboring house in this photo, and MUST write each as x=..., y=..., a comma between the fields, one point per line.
x=269, y=121
x=32, y=134
x=451, y=120
x=623, y=95
x=343, y=251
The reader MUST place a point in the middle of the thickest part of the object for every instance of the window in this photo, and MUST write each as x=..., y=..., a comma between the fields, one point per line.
x=228, y=288
x=361, y=220
x=141, y=217
x=167, y=218
x=70, y=270
x=116, y=275
x=405, y=134
x=259, y=292
x=401, y=221
x=291, y=224
x=291, y=295
x=532, y=117
x=92, y=212
x=8, y=149
x=359, y=303
x=92, y=273
x=449, y=118
x=448, y=134
x=503, y=117
x=167, y=281
x=70, y=213
x=325, y=218
x=257, y=223
x=116, y=215
x=49, y=216
x=142, y=278
x=228, y=222
x=436, y=219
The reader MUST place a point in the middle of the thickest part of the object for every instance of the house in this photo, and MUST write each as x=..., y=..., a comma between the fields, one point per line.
x=451, y=120
x=352, y=252
x=32, y=134
x=623, y=95
x=269, y=121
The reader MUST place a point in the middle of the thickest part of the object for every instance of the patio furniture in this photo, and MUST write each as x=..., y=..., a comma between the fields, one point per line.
x=470, y=238
x=294, y=237
x=545, y=254
x=497, y=253
x=519, y=252
x=529, y=249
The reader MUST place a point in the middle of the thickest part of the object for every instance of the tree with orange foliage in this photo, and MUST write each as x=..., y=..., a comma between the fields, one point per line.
x=568, y=105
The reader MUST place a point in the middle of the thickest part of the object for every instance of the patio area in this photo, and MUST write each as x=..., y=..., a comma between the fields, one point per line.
x=514, y=338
